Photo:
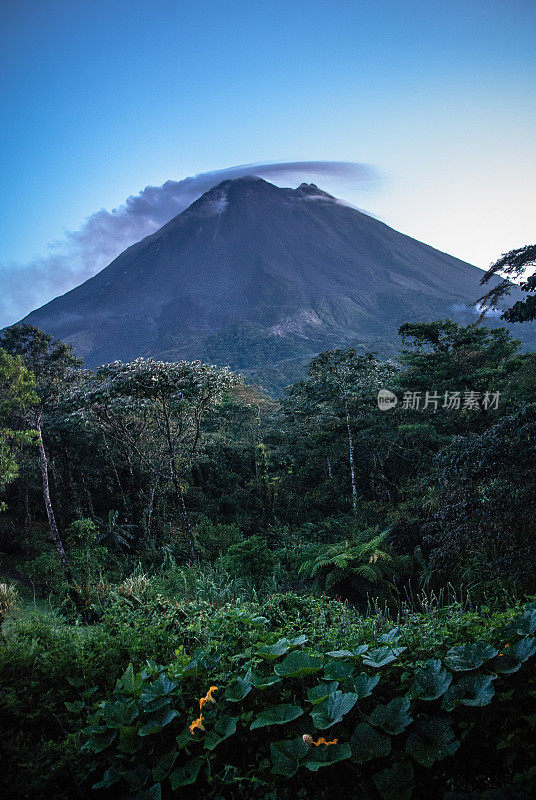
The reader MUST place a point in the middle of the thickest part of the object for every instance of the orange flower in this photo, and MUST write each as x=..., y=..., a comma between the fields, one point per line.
x=197, y=724
x=208, y=698
x=309, y=740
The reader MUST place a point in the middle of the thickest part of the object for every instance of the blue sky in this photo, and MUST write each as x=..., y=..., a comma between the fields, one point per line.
x=100, y=99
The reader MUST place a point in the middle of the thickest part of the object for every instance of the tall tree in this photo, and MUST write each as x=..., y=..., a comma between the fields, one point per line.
x=53, y=363
x=155, y=411
x=340, y=390
x=17, y=392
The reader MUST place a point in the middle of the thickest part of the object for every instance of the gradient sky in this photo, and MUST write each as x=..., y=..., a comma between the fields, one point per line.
x=100, y=99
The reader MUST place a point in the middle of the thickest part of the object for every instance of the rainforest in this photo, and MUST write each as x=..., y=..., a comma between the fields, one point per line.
x=207, y=591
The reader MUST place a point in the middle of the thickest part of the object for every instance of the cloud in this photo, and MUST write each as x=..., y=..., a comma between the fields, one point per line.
x=105, y=234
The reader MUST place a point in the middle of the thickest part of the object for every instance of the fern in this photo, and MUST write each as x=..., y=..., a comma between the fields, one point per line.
x=366, y=556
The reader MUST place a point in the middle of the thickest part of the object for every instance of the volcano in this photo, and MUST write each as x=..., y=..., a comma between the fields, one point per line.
x=261, y=278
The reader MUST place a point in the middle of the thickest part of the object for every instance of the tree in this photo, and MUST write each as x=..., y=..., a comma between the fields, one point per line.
x=485, y=507
x=340, y=391
x=511, y=266
x=53, y=363
x=155, y=412
x=17, y=392
x=442, y=357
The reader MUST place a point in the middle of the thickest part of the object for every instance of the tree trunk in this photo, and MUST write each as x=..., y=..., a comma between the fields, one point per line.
x=150, y=510
x=185, y=517
x=176, y=482
x=351, y=457
x=48, y=503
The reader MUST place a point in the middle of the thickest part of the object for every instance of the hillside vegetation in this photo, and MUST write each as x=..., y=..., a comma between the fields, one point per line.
x=209, y=593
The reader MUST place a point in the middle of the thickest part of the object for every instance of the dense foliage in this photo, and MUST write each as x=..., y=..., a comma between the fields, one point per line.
x=355, y=582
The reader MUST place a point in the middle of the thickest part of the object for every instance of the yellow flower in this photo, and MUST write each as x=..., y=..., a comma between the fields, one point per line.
x=197, y=724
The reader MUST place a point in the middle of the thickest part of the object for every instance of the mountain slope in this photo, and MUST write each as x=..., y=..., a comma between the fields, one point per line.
x=253, y=275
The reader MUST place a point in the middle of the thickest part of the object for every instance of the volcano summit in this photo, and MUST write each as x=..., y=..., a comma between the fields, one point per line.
x=261, y=278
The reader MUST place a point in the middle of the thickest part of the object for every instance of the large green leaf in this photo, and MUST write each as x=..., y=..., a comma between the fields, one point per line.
x=363, y=684
x=238, y=689
x=76, y=707
x=338, y=670
x=325, y=755
x=381, y=656
x=136, y=778
x=224, y=727
x=470, y=690
x=511, y=658
x=187, y=774
x=129, y=741
x=184, y=738
x=393, y=717
x=297, y=641
x=431, y=681
x=165, y=765
x=396, y=782
x=263, y=681
x=525, y=648
x=392, y=636
x=158, y=688
x=158, y=721
x=340, y=654
x=273, y=651
x=332, y=709
x=298, y=664
x=117, y=713
x=276, y=715
x=431, y=740
x=128, y=682
x=286, y=756
x=469, y=656
x=368, y=743
x=153, y=792
x=525, y=624
x=320, y=692
x=100, y=741
x=505, y=664
x=111, y=776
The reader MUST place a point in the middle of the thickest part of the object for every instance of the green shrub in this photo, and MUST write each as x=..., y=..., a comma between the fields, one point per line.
x=214, y=540
x=82, y=532
x=286, y=667
x=45, y=570
x=390, y=722
x=252, y=558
